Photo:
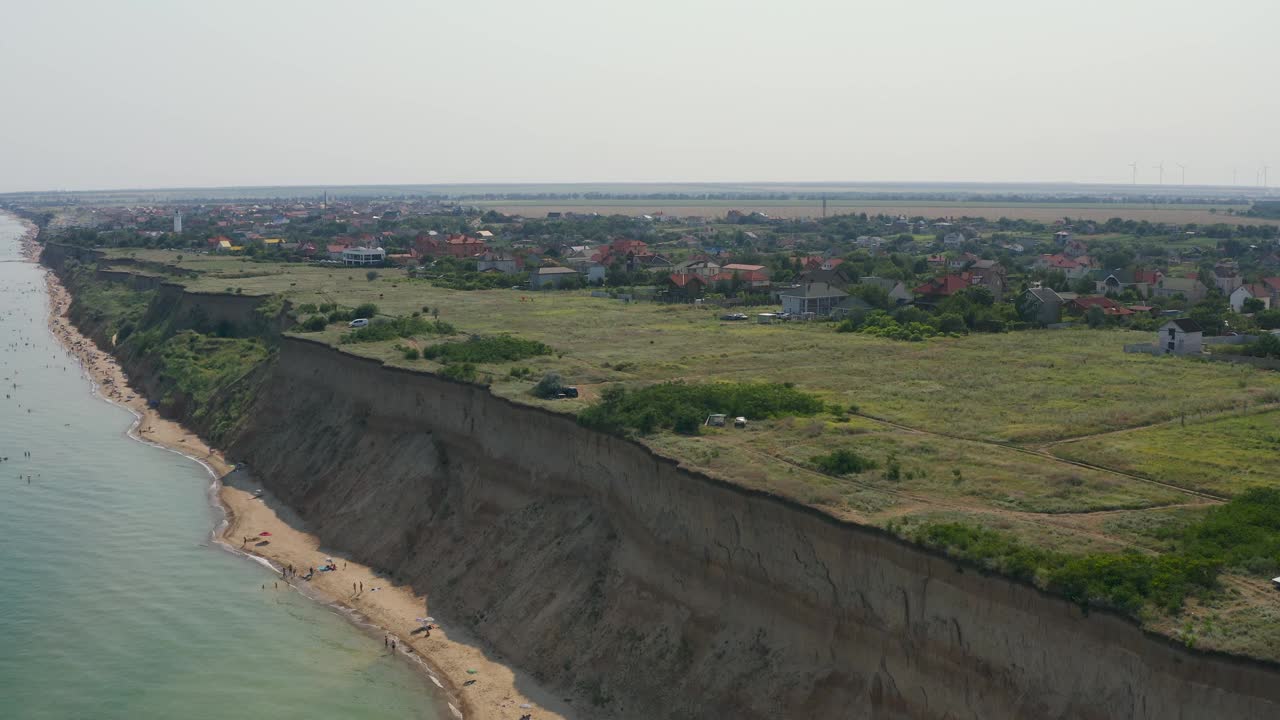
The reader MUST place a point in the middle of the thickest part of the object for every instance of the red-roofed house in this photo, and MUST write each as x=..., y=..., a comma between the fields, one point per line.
x=1109, y=307
x=1073, y=269
x=685, y=285
x=752, y=275
x=942, y=287
x=458, y=246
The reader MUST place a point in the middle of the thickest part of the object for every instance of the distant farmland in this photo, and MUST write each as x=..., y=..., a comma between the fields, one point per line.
x=1045, y=212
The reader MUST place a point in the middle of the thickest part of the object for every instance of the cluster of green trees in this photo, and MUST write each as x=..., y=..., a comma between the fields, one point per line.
x=882, y=324
x=973, y=309
x=380, y=329
x=842, y=462
x=486, y=349
x=683, y=407
x=1267, y=345
x=1242, y=535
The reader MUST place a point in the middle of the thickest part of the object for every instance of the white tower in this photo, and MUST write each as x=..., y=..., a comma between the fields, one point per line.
x=177, y=221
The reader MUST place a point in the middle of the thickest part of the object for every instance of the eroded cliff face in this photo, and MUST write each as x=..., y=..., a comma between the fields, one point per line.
x=649, y=591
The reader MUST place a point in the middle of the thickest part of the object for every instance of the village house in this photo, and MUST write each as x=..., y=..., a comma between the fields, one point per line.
x=1272, y=284
x=554, y=276
x=953, y=240
x=1121, y=279
x=817, y=298
x=364, y=256
x=1226, y=276
x=1182, y=336
x=1190, y=288
x=991, y=275
x=702, y=267
x=1249, y=291
x=494, y=261
x=1074, y=248
x=456, y=246
x=685, y=286
x=942, y=287
x=1042, y=305
x=1070, y=267
x=897, y=292
x=835, y=277
x=1082, y=304
x=749, y=275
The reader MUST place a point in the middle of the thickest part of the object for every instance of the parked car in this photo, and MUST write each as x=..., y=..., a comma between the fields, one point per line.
x=358, y=323
x=733, y=316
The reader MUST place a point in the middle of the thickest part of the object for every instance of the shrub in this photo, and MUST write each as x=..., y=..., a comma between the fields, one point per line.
x=398, y=328
x=662, y=405
x=1243, y=534
x=315, y=323
x=549, y=386
x=411, y=354
x=1267, y=345
x=460, y=371
x=477, y=349
x=371, y=275
x=842, y=462
x=367, y=310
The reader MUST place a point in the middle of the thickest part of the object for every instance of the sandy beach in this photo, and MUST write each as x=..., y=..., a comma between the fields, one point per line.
x=474, y=680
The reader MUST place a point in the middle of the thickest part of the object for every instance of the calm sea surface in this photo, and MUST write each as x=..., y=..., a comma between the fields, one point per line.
x=113, y=601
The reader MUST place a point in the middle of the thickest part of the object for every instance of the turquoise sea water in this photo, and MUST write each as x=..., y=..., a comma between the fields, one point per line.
x=113, y=601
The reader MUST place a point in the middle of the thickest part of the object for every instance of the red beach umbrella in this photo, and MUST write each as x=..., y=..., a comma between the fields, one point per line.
x=264, y=534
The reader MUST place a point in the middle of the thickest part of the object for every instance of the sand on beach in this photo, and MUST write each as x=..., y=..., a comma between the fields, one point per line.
x=450, y=656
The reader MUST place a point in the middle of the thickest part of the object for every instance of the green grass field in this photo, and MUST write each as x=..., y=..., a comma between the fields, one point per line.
x=1221, y=456
x=975, y=429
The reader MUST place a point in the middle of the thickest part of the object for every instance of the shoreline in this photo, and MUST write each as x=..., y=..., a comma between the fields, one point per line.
x=450, y=659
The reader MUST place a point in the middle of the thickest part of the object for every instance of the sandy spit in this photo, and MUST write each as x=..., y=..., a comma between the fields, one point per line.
x=450, y=657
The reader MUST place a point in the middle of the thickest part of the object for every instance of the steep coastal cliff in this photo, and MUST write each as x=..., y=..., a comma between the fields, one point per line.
x=650, y=591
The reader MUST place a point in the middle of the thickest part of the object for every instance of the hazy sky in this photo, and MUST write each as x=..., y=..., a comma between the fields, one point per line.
x=134, y=93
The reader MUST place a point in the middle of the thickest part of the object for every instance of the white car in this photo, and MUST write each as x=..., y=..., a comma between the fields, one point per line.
x=358, y=323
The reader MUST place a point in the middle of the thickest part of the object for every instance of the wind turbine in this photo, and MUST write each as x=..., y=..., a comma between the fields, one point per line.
x=1184, y=172
x=1134, y=165
x=1265, y=168
x=1160, y=167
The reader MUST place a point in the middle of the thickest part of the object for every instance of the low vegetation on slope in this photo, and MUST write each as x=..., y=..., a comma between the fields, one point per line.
x=403, y=327
x=477, y=349
x=1242, y=535
x=683, y=407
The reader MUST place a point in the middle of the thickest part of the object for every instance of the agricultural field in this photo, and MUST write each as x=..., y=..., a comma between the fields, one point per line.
x=1040, y=211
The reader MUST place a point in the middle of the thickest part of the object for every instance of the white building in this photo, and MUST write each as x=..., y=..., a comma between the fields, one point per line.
x=364, y=256
x=1249, y=292
x=553, y=276
x=1182, y=336
x=177, y=221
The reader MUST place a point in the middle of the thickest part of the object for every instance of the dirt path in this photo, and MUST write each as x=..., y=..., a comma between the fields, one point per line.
x=1045, y=455
x=1201, y=418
